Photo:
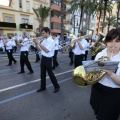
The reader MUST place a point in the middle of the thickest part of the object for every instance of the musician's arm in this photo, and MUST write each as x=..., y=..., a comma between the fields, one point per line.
x=80, y=46
x=113, y=76
x=39, y=46
x=19, y=44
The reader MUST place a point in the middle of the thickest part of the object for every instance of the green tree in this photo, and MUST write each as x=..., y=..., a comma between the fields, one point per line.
x=42, y=13
x=78, y=5
x=110, y=21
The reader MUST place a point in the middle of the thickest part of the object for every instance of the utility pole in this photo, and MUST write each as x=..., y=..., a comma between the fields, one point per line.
x=62, y=17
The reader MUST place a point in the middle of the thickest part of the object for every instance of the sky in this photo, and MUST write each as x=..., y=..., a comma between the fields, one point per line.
x=4, y=2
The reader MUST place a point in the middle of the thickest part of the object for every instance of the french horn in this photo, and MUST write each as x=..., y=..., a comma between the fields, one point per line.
x=83, y=78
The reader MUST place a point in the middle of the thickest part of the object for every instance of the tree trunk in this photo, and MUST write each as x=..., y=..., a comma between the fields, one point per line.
x=118, y=12
x=81, y=16
x=105, y=7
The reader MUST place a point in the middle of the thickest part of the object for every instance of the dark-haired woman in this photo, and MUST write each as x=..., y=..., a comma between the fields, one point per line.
x=105, y=95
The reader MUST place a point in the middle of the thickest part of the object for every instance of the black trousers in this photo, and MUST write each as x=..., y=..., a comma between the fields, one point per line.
x=10, y=56
x=86, y=53
x=24, y=60
x=105, y=102
x=46, y=65
x=78, y=60
x=55, y=63
x=93, y=57
x=37, y=55
x=71, y=54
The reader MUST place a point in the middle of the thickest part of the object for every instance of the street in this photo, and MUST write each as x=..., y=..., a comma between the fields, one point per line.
x=20, y=101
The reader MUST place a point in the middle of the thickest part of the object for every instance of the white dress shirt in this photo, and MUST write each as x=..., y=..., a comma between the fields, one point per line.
x=49, y=43
x=106, y=80
x=9, y=45
x=56, y=44
x=77, y=50
x=25, y=45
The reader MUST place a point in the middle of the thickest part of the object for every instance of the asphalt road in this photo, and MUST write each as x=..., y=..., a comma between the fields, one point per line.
x=20, y=101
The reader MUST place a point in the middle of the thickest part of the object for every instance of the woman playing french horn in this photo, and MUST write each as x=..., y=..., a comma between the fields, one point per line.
x=105, y=95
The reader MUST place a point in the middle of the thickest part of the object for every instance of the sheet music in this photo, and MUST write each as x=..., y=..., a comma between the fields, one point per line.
x=92, y=65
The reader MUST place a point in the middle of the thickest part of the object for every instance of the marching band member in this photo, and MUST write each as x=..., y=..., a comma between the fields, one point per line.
x=9, y=50
x=79, y=51
x=2, y=44
x=24, y=53
x=47, y=51
x=105, y=95
x=36, y=52
x=55, y=62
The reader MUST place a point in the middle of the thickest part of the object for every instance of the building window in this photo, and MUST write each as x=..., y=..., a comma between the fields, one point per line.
x=20, y=3
x=8, y=19
x=24, y=20
x=28, y=6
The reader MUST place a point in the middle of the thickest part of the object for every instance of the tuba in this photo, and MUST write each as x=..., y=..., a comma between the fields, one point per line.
x=83, y=77
x=99, y=45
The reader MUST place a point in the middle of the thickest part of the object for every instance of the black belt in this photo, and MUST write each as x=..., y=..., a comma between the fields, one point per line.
x=46, y=57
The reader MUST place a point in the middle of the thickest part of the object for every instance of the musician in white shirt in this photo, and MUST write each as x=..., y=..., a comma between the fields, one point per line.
x=55, y=62
x=9, y=49
x=105, y=95
x=79, y=51
x=47, y=52
x=2, y=44
x=24, y=53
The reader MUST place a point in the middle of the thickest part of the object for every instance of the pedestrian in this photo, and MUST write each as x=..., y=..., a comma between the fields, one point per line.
x=9, y=49
x=24, y=53
x=47, y=52
x=105, y=95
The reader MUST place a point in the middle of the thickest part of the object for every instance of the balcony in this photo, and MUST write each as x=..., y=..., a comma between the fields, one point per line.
x=66, y=21
x=26, y=27
x=56, y=19
x=55, y=7
x=55, y=30
x=8, y=26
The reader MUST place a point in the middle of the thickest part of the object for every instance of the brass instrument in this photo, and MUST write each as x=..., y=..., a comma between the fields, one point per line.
x=74, y=39
x=99, y=45
x=83, y=78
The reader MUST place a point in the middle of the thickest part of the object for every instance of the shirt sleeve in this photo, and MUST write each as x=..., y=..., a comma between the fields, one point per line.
x=118, y=70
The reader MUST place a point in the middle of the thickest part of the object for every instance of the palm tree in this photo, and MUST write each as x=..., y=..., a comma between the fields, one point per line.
x=110, y=21
x=118, y=12
x=107, y=4
x=78, y=5
x=42, y=13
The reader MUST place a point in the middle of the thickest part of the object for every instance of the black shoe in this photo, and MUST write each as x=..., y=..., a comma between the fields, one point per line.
x=30, y=73
x=15, y=62
x=40, y=90
x=56, y=89
x=8, y=65
x=20, y=72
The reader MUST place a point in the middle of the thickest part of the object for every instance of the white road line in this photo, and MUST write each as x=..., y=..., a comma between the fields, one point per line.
x=23, y=84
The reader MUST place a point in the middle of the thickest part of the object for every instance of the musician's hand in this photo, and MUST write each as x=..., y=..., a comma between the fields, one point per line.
x=36, y=41
x=108, y=72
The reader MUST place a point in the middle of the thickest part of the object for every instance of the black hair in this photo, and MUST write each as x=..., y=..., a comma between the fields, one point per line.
x=46, y=29
x=112, y=34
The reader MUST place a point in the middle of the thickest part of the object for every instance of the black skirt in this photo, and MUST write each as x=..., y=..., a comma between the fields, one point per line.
x=105, y=102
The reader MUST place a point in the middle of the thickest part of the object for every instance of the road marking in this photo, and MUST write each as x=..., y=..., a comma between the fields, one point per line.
x=23, y=84
x=30, y=92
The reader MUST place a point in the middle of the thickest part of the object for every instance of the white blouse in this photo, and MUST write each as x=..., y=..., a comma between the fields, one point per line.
x=106, y=80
